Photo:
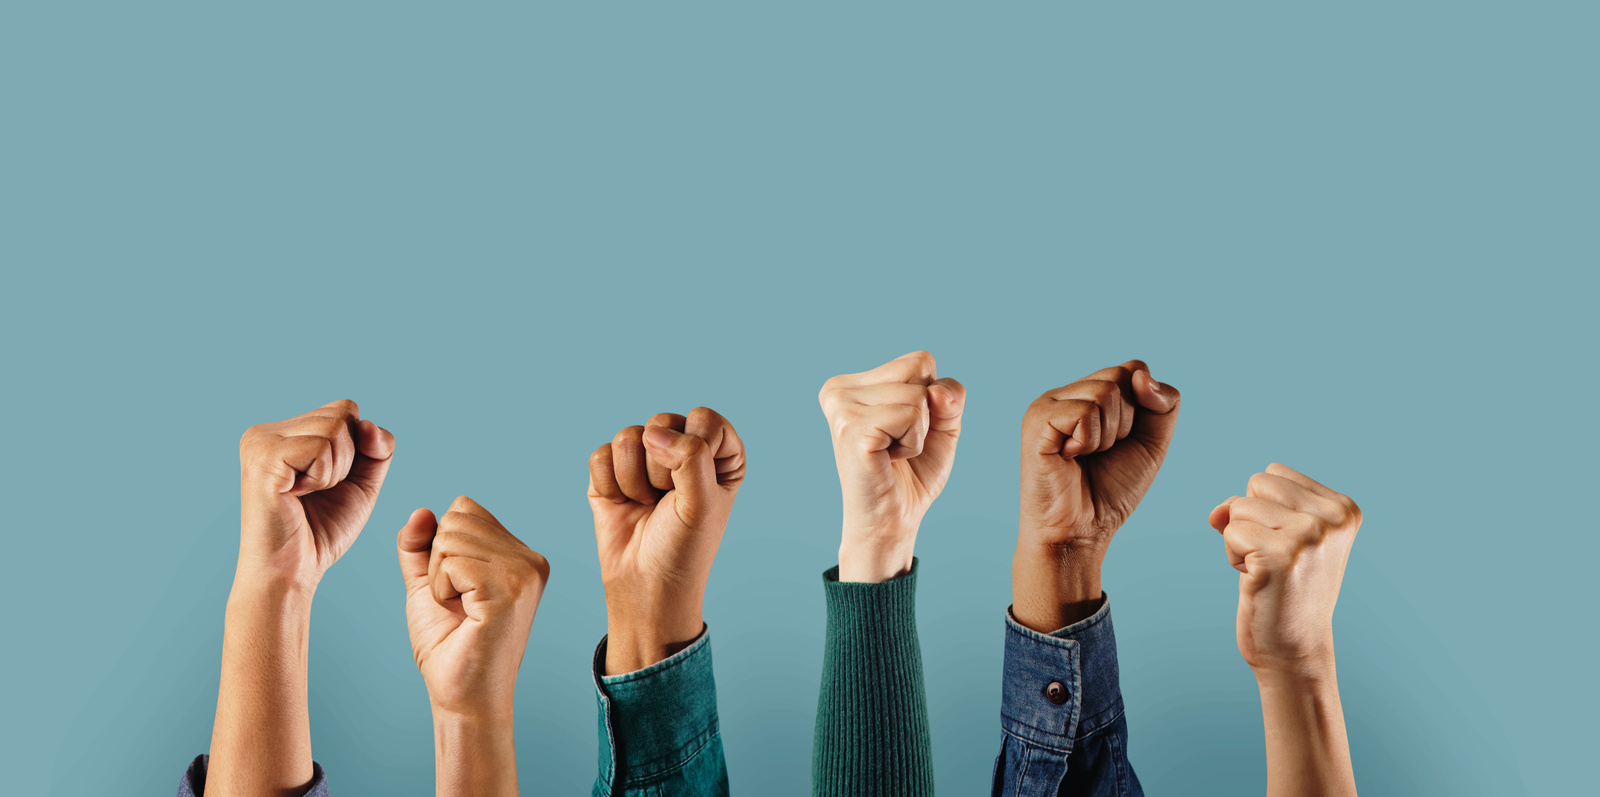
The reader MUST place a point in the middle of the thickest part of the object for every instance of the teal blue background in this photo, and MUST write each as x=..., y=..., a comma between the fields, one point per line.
x=1360, y=237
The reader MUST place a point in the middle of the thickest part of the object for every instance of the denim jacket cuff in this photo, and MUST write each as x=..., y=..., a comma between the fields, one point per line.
x=654, y=720
x=1076, y=666
x=194, y=780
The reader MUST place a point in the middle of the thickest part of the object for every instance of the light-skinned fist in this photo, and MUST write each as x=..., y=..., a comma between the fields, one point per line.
x=307, y=485
x=661, y=496
x=472, y=589
x=1289, y=537
x=894, y=432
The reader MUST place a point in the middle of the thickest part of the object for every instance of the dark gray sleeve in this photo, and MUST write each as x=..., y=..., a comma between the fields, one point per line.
x=194, y=781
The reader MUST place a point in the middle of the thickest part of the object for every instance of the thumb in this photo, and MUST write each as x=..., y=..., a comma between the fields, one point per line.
x=694, y=473
x=946, y=399
x=374, y=450
x=415, y=545
x=1223, y=512
x=1157, y=414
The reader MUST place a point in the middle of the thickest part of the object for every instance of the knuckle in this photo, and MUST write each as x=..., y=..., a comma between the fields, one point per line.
x=539, y=564
x=1351, y=511
x=829, y=386
x=627, y=433
x=1258, y=482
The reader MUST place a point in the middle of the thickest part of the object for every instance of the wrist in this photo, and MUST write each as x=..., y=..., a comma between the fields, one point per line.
x=1055, y=585
x=1310, y=671
x=875, y=558
x=265, y=591
x=631, y=647
x=475, y=754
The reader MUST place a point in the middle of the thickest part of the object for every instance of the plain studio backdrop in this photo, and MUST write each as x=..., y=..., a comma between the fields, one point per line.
x=1360, y=238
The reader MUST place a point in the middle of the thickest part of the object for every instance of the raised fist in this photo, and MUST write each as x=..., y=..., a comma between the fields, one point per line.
x=661, y=495
x=894, y=431
x=472, y=589
x=1089, y=452
x=1289, y=537
x=307, y=485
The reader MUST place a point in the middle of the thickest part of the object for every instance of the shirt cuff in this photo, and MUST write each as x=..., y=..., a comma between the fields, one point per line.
x=654, y=720
x=1061, y=686
x=194, y=780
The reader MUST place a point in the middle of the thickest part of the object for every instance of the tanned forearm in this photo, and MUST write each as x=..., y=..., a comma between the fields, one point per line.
x=261, y=742
x=1308, y=754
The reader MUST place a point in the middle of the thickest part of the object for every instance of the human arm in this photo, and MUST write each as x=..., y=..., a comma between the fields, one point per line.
x=1289, y=537
x=307, y=487
x=472, y=590
x=1090, y=451
x=894, y=431
x=661, y=495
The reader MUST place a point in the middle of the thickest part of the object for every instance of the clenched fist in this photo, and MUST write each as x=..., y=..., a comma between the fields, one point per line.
x=307, y=485
x=894, y=430
x=472, y=589
x=1289, y=537
x=1089, y=452
x=661, y=495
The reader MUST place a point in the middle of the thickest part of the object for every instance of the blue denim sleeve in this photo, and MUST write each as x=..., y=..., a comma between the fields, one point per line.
x=1063, y=730
x=194, y=780
x=658, y=727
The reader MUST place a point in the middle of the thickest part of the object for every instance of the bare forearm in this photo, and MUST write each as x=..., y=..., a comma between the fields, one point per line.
x=1307, y=751
x=1054, y=586
x=261, y=741
x=475, y=756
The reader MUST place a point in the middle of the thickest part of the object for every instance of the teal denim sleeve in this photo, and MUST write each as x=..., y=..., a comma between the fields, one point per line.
x=658, y=727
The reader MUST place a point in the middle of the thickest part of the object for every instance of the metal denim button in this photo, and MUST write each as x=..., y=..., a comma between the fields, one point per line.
x=1056, y=693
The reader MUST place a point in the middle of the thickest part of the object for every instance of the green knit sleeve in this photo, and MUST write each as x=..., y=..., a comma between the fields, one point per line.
x=872, y=735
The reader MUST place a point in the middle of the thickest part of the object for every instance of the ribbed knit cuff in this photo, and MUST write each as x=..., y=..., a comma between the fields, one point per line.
x=872, y=736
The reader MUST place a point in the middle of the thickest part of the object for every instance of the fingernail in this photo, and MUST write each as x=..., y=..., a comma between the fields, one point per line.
x=1155, y=387
x=658, y=437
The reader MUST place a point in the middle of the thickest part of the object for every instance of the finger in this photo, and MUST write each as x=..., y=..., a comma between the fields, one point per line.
x=470, y=508
x=1157, y=415
x=628, y=459
x=873, y=395
x=471, y=580
x=343, y=408
x=415, y=544
x=916, y=367
x=603, y=477
x=660, y=475
x=694, y=474
x=374, y=450
x=1278, y=469
x=1285, y=492
x=896, y=429
x=727, y=450
x=1115, y=412
x=1064, y=428
x=308, y=463
x=461, y=536
x=1243, y=539
x=341, y=456
x=1221, y=514
x=1111, y=418
x=1267, y=513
